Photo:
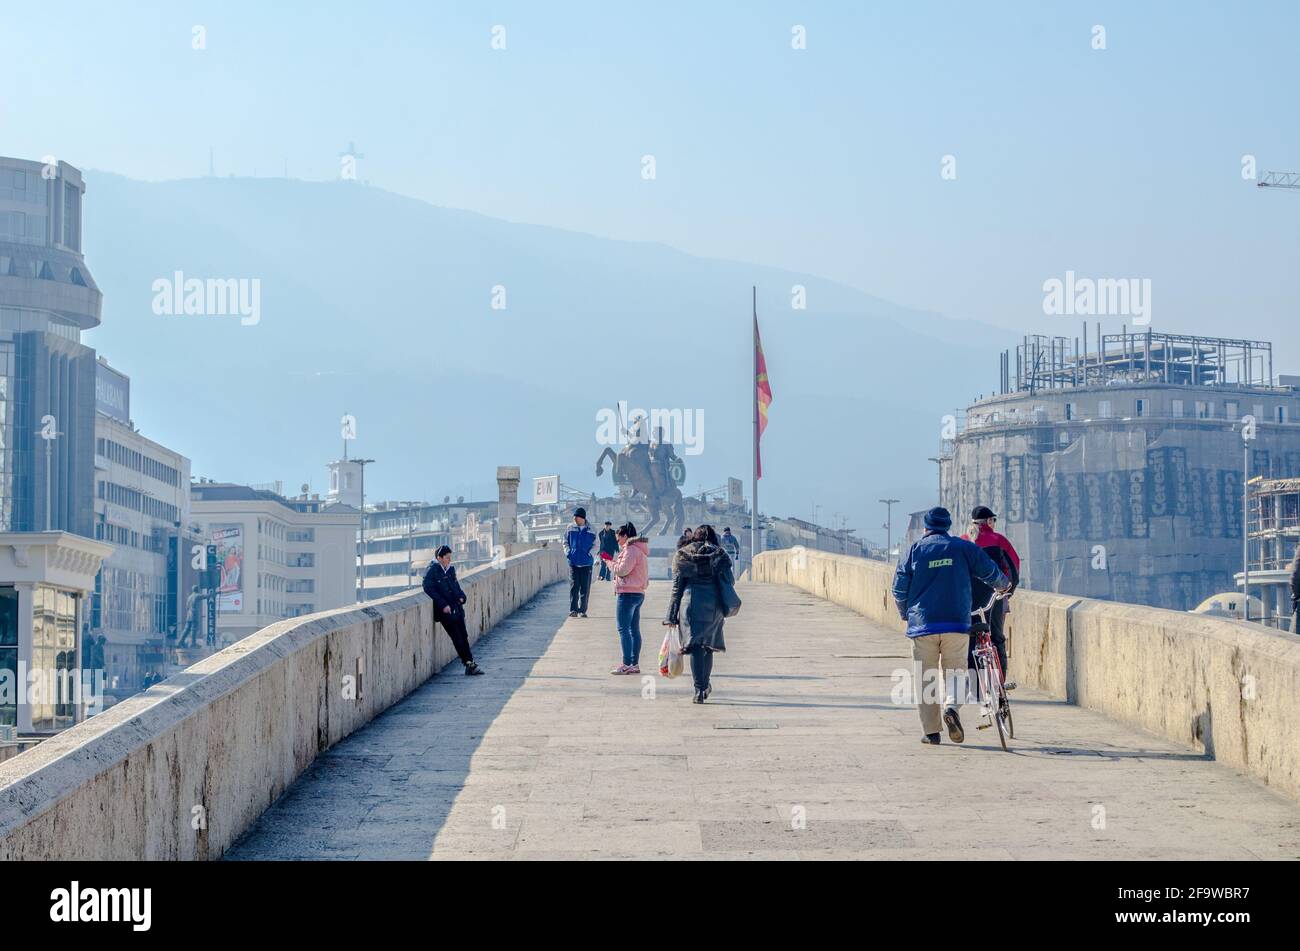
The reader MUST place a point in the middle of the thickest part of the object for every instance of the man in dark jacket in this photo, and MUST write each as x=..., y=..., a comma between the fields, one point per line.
x=608, y=549
x=932, y=590
x=579, y=541
x=449, y=599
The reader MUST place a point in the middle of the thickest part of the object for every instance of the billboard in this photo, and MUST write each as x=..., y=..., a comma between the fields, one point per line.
x=546, y=490
x=112, y=392
x=229, y=540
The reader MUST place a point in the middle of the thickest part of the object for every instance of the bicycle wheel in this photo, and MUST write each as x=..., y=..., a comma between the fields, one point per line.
x=1002, y=715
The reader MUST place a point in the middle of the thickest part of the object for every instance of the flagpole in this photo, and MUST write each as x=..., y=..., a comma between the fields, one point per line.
x=753, y=386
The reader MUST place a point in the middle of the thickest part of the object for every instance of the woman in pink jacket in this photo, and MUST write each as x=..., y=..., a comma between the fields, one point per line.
x=631, y=575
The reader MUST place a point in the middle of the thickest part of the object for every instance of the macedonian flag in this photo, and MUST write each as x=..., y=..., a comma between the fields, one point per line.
x=762, y=398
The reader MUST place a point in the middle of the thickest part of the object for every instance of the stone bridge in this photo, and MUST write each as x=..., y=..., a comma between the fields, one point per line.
x=1140, y=734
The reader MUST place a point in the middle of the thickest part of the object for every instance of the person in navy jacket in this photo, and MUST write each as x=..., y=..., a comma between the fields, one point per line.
x=579, y=541
x=449, y=599
x=932, y=590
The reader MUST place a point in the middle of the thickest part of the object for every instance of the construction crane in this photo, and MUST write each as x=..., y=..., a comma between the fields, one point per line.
x=1279, y=180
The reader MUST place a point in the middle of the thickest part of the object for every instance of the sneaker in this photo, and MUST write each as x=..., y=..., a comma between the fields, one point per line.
x=699, y=697
x=573, y=614
x=708, y=690
x=633, y=669
x=930, y=739
x=953, y=721
x=1009, y=686
x=473, y=670
x=582, y=614
x=620, y=670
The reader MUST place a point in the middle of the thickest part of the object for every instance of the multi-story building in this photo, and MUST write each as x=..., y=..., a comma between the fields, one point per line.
x=47, y=376
x=1118, y=472
x=142, y=507
x=402, y=537
x=279, y=557
x=48, y=558
x=1274, y=535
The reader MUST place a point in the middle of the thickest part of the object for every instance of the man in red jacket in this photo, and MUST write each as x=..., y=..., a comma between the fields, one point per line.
x=999, y=548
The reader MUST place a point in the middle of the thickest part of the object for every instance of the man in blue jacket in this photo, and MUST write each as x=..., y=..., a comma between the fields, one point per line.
x=579, y=541
x=932, y=589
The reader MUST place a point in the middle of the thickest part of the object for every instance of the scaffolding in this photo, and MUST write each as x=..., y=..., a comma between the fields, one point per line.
x=1274, y=523
x=1055, y=362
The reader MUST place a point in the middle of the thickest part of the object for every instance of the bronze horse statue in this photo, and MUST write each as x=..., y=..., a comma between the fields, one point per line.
x=646, y=469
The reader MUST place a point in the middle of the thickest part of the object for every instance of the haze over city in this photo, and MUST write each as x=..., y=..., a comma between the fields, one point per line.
x=822, y=161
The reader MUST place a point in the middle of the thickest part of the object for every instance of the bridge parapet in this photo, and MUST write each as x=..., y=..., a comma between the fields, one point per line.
x=1228, y=688
x=181, y=770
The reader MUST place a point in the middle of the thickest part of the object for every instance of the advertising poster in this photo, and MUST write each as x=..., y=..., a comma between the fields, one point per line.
x=229, y=540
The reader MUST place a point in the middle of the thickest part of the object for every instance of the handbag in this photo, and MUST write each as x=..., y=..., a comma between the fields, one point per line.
x=727, y=596
x=671, y=663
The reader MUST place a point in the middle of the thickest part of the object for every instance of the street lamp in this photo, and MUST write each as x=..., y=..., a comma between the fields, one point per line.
x=889, y=525
x=1248, y=424
x=49, y=432
x=939, y=462
x=362, y=585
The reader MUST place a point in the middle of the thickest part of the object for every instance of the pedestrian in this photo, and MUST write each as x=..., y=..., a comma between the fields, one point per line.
x=631, y=577
x=699, y=568
x=1295, y=593
x=731, y=545
x=608, y=549
x=998, y=547
x=449, y=600
x=687, y=536
x=579, y=541
x=932, y=590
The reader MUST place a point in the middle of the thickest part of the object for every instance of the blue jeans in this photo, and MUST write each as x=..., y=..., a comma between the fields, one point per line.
x=629, y=627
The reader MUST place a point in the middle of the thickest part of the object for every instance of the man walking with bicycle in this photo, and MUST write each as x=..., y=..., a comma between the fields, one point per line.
x=932, y=590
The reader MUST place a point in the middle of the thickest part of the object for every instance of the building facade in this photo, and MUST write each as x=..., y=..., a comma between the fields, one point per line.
x=142, y=508
x=1274, y=536
x=279, y=557
x=402, y=537
x=47, y=376
x=1118, y=473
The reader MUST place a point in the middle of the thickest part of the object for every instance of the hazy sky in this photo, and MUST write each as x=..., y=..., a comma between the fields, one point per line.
x=1122, y=162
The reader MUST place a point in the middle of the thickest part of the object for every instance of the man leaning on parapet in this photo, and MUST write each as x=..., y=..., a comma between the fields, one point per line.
x=932, y=588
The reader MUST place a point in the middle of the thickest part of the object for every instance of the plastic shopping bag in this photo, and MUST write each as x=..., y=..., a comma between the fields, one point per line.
x=670, y=654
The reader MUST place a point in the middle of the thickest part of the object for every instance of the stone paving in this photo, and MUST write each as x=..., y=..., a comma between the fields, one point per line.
x=799, y=754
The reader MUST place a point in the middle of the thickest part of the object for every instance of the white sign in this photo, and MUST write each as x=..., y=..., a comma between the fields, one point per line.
x=546, y=490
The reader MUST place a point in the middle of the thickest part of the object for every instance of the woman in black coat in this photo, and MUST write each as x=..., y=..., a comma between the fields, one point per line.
x=698, y=566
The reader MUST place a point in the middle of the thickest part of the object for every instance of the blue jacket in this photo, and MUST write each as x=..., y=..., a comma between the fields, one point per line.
x=578, y=543
x=932, y=586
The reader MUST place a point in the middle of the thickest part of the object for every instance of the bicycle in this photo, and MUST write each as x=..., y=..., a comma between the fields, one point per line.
x=995, y=707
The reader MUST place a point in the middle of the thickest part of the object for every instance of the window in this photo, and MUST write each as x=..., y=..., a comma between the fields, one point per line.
x=1204, y=409
x=1103, y=409
x=302, y=535
x=1177, y=409
x=1259, y=410
x=1071, y=411
x=1233, y=408
x=1281, y=414
x=1144, y=407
